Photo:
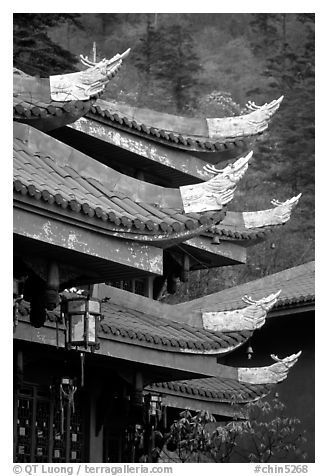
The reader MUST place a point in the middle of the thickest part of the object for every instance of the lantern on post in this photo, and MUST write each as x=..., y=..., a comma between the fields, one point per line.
x=82, y=317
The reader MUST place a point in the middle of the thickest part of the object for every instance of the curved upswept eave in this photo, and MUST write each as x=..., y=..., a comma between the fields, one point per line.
x=150, y=331
x=251, y=317
x=52, y=172
x=206, y=134
x=50, y=103
x=215, y=389
x=83, y=85
x=253, y=123
x=216, y=192
x=105, y=181
x=245, y=225
x=278, y=215
x=274, y=373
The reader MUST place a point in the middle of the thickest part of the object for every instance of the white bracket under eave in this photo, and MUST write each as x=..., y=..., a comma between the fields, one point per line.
x=278, y=215
x=216, y=192
x=250, y=318
x=82, y=85
x=271, y=374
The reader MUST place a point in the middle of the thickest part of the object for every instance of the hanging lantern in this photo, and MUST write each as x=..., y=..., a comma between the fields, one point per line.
x=82, y=316
x=249, y=352
x=155, y=405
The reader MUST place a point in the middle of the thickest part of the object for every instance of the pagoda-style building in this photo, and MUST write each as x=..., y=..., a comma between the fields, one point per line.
x=111, y=205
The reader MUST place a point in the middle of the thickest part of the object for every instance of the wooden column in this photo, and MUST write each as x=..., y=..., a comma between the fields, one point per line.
x=95, y=440
x=149, y=287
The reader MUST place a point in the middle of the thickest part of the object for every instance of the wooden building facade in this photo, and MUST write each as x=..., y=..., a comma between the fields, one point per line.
x=106, y=193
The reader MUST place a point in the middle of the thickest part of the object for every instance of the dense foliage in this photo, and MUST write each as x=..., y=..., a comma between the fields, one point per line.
x=208, y=64
x=267, y=434
x=34, y=52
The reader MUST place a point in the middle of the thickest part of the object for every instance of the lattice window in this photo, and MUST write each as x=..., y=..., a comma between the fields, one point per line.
x=140, y=287
x=137, y=286
x=40, y=434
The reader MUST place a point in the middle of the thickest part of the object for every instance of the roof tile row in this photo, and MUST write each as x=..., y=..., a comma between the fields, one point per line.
x=216, y=389
x=139, y=328
x=121, y=121
x=42, y=178
x=297, y=286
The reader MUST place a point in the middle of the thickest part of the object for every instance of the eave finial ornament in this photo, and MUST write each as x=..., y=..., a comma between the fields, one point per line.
x=271, y=374
x=251, y=317
x=82, y=85
x=283, y=210
x=216, y=192
x=270, y=107
x=278, y=215
x=252, y=123
x=261, y=114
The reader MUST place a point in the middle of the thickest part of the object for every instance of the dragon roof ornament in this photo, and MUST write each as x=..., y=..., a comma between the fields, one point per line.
x=254, y=122
x=82, y=85
x=274, y=373
x=216, y=192
x=251, y=317
x=278, y=215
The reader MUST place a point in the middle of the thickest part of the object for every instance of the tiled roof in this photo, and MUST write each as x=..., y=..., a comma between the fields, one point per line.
x=41, y=177
x=32, y=104
x=27, y=107
x=33, y=101
x=148, y=330
x=215, y=389
x=296, y=284
x=112, y=114
x=241, y=233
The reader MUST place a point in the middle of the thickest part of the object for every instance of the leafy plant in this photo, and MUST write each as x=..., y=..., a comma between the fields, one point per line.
x=266, y=434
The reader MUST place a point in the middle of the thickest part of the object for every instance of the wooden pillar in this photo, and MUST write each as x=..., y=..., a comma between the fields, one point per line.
x=149, y=287
x=135, y=415
x=52, y=286
x=95, y=440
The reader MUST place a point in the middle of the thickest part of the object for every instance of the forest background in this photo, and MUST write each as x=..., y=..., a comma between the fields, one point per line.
x=209, y=65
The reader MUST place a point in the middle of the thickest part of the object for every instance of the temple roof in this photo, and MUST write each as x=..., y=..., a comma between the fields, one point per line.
x=215, y=389
x=199, y=134
x=150, y=330
x=254, y=225
x=46, y=170
x=296, y=284
x=136, y=327
x=129, y=327
x=49, y=103
x=210, y=393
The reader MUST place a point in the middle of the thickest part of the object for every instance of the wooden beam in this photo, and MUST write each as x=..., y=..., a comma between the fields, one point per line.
x=155, y=152
x=68, y=236
x=195, y=364
x=226, y=249
x=187, y=403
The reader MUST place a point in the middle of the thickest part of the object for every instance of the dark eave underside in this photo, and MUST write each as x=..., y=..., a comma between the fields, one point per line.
x=117, y=157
